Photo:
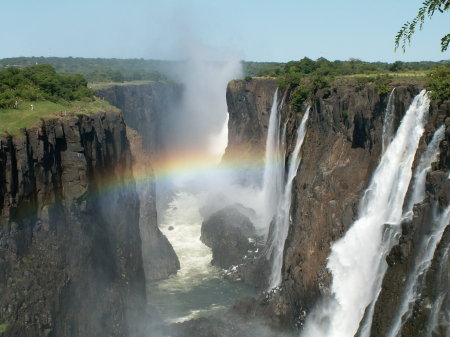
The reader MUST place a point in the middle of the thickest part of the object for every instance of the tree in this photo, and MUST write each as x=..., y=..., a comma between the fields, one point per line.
x=428, y=8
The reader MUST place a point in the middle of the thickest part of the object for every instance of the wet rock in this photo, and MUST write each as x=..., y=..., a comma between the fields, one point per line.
x=230, y=234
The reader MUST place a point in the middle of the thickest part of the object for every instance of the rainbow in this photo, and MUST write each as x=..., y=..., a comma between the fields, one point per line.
x=149, y=169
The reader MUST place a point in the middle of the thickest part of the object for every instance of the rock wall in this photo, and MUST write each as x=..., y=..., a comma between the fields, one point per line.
x=341, y=150
x=147, y=108
x=403, y=257
x=159, y=257
x=70, y=251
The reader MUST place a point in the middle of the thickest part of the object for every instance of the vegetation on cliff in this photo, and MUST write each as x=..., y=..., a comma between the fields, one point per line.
x=306, y=76
x=38, y=92
x=40, y=83
x=438, y=82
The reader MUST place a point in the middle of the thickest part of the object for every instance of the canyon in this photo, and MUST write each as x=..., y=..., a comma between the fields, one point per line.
x=79, y=215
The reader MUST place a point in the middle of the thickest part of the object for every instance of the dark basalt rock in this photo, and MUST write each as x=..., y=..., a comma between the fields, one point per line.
x=342, y=148
x=230, y=234
x=70, y=249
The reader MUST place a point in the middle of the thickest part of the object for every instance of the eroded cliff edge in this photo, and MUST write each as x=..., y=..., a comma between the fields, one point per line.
x=340, y=152
x=70, y=250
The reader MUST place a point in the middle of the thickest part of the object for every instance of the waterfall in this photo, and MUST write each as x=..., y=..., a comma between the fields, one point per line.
x=357, y=261
x=417, y=195
x=442, y=284
x=274, y=167
x=282, y=217
x=388, y=123
x=429, y=156
x=423, y=259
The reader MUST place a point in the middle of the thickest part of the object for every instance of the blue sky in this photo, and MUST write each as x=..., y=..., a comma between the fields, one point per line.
x=258, y=30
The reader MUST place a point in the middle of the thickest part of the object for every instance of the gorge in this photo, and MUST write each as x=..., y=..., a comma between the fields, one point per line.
x=328, y=220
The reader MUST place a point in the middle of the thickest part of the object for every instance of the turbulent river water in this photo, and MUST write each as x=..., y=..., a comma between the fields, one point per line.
x=198, y=289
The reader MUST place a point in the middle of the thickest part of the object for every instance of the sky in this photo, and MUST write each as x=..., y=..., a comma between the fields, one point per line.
x=255, y=30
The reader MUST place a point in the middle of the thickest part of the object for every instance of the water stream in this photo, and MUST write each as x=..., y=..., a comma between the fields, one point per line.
x=282, y=216
x=198, y=289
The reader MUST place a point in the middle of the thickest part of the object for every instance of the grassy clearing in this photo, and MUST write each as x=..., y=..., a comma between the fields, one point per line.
x=12, y=120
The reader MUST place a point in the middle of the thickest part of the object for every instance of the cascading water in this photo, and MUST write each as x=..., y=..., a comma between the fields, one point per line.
x=417, y=195
x=429, y=156
x=282, y=216
x=422, y=263
x=274, y=167
x=357, y=261
x=388, y=124
x=441, y=284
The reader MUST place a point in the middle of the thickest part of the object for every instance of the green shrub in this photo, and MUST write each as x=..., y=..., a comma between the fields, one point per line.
x=299, y=96
x=40, y=82
x=382, y=84
x=438, y=82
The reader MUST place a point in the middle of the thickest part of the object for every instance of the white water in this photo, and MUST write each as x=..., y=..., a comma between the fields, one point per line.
x=357, y=261
x=388, y=123
x=272, y=188
x=433, y=320
x=198, y=288
x=423, y=261
x=282, y=218
x=429, y=156
x=417, y=195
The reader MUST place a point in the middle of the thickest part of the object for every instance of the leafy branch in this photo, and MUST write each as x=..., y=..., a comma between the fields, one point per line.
x=428, y=9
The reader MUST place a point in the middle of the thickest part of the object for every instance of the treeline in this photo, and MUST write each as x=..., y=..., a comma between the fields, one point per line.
x=40, y=82
x=324, y=67
x=98, y=69
x=306, y=76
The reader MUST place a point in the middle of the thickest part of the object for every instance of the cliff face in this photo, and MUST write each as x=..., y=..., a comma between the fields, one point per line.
x=159, y=257
x=147, y=108
x=428, y=310
x=70, y=251
x=340, y=152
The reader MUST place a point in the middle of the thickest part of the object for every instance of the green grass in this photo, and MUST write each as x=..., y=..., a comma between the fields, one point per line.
x=12, y=120
x=102, y=85
x=396, y=76
x=4, y=327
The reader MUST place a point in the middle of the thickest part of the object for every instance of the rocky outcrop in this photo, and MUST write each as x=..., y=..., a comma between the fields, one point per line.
x=70, y=251
x=230, y=234
x=249, y=104
x=340, y=152
x=159, y=258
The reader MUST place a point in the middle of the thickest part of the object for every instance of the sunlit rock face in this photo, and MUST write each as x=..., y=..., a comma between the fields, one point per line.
x=342, y=148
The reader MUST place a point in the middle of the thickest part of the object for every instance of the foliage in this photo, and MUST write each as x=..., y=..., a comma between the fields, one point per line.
x=99, y=70
x=428, y=9
x=4, y=327
x=299, y=95
x=13, y=120
x=40, y=82
x=438, y=83
x=382, y=84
